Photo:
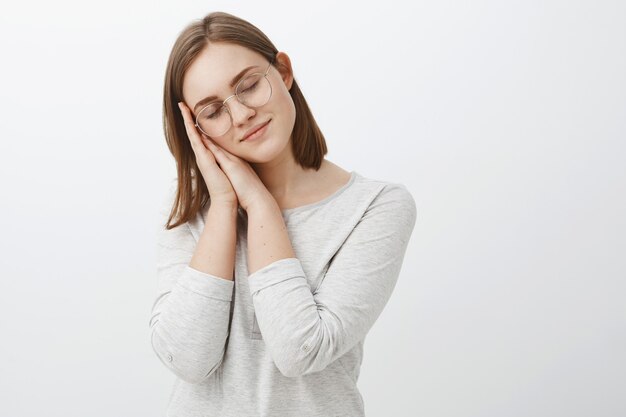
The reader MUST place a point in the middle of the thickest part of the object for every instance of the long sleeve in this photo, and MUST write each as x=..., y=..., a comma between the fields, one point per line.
x=189, y=323
x=305, y=331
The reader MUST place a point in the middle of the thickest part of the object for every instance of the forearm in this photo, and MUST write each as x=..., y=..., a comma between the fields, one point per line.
x=215, y=251
x=190, y=324
x=306, y=331
x=190, y=316
x=268, y=240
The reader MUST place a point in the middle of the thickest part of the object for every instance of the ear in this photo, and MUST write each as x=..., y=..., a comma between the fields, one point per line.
x=283, y=65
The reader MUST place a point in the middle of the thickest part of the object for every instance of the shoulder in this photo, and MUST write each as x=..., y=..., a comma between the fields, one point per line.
x=388, y=195
x=380, y=208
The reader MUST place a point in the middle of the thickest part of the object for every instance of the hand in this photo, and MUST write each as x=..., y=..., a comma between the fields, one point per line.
x=248, y=186
x=218, y=184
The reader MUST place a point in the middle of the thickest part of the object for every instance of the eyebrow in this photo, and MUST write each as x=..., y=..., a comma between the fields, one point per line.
x=234, y=81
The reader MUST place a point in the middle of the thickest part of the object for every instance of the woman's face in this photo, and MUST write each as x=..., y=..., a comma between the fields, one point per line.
x=211, y=73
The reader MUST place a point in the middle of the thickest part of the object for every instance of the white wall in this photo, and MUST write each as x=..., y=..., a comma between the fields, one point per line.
x=506, y=120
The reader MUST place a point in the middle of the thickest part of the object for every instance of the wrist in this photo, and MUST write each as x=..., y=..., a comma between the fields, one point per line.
x=262, y=203
x=223, y=206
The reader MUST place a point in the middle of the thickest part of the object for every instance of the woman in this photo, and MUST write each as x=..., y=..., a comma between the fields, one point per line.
x=279, y=261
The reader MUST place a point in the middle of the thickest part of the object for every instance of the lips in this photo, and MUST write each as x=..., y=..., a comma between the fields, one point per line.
x=254, y=129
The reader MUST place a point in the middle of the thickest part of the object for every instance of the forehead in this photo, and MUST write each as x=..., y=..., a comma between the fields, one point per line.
x=213, y=69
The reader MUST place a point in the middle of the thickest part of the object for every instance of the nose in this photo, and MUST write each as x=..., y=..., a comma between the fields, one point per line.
x=240, y=112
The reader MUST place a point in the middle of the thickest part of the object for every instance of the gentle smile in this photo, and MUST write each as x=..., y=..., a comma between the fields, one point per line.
x=257, y=133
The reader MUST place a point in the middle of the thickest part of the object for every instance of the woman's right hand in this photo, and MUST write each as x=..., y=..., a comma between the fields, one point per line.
x=218, y=184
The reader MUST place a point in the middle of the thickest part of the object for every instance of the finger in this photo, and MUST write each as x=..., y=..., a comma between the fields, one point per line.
x=200, y=150
x=222, y=151
x=216, y=150
x=186, y=122
x=224, y=154
x=190, y=127
x=210, y=143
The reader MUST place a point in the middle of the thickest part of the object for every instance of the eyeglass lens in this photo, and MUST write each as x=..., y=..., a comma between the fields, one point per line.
x=253, y=91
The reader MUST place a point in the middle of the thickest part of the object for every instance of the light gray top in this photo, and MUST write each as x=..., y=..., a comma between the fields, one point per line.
x=288, y=339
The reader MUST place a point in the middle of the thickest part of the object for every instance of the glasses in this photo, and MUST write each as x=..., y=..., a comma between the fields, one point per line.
x=252, y=91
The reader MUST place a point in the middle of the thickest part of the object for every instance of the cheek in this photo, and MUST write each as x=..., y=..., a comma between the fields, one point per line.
x=221, y=142
x=286, y=108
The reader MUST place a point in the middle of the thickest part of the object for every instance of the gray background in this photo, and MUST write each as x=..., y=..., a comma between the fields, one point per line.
x=505, y=119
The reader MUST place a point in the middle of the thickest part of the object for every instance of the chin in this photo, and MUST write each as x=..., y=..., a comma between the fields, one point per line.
x=272, y=148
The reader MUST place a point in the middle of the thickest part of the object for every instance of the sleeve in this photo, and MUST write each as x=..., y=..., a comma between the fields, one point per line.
x=189, y=323
x=306, y=331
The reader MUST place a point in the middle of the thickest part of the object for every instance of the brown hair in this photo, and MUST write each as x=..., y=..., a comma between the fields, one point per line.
x=307, y=141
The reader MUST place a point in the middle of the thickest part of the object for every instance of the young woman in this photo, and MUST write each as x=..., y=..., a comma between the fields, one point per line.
x=273, y=262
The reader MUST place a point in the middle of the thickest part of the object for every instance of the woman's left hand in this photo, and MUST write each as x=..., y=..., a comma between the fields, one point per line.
x=245, y=181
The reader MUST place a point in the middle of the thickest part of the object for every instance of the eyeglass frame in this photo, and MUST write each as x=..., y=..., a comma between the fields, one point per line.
x=238, y=99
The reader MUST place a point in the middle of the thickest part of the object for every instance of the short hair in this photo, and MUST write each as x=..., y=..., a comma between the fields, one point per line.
x=307, y=141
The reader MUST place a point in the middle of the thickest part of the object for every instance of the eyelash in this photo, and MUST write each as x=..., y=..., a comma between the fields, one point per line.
x=249, y=88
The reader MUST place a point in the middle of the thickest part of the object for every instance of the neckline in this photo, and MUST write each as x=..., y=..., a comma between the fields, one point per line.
x=353, y=175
